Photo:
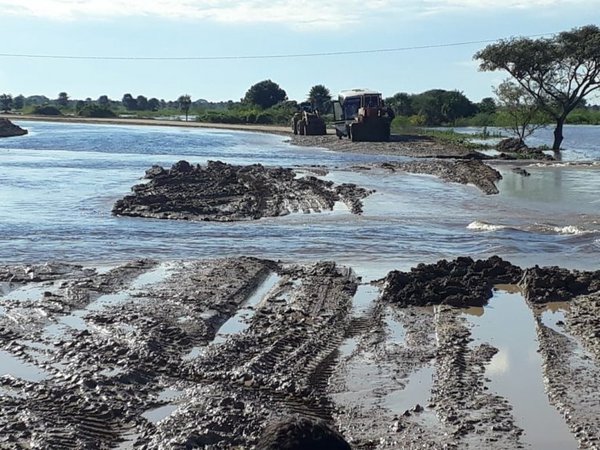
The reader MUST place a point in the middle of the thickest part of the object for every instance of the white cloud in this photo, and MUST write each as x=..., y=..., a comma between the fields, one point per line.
x=290, y=12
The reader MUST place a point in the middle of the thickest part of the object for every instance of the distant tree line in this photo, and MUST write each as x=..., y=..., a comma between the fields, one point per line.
x=550, y=79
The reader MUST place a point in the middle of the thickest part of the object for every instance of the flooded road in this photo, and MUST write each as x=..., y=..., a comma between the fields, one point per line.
x=58, y=185
x=190, y=347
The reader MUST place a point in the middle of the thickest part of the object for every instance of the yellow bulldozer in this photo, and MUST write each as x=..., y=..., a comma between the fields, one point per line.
x=361, y=115
x=308, y=121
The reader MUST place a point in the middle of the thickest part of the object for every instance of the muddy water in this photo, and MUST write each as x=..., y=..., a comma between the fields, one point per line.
x=515, y=372
x=61, y=180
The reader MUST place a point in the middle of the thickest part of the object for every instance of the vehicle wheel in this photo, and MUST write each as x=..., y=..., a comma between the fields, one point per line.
x=338, y=134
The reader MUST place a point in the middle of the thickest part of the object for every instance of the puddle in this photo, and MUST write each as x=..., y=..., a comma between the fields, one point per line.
x=63, y=325
x=108, y=300
x=103, y=269
x=195, y=352
x=10, y=365
x=110, y=373
x=348, y=347
x=364, y=298
x=416, y=392
x=154, y=276
x=396, y=333
x=128, y=440
x=169, y=394
x=241, y=320
x=5, y=287
x=30, y=292
x=516, y=370
x=555, y=312
x=157, y=414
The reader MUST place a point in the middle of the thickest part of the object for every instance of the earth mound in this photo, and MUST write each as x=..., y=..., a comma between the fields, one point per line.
x=461, y=283
x=224, y=192
x=9, y=129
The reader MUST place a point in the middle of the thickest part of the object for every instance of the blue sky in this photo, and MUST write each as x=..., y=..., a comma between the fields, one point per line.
x=203, y=28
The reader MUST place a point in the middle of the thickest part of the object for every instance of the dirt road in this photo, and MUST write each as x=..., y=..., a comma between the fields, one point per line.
x=205, y=353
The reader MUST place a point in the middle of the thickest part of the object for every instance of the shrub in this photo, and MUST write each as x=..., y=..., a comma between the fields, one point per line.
x=96, y=111
x=46, y=110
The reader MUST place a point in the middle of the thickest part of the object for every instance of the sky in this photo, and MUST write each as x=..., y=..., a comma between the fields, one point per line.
x=216, y=43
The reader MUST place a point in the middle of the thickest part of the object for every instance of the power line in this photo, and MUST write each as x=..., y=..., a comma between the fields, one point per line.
x=242, y=57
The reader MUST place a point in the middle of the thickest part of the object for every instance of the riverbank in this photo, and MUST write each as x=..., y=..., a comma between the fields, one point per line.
x=400, y=145
x=151, y=122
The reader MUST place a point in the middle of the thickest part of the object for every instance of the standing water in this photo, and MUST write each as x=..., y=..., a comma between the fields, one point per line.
x=515, y=372
x=58, y=185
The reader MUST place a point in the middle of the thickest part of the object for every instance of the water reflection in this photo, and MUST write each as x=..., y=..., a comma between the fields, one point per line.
x=515, y=372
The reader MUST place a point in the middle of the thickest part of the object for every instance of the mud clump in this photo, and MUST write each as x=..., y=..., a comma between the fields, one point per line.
x=555, y=284
x=9, y=129
x=301, y=433
x=463, y=171
x=224, y=192
x=460, y=283
x=514, y=148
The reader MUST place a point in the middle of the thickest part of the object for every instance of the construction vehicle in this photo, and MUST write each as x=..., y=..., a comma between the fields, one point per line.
x=361, y=115
x=308, y=121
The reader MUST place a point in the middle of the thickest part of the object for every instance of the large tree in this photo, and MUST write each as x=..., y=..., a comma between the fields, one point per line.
x=129, y=102
x=265, y=94
x=439, y=106
x=401, y=103
x=63, y=99
x=142, y=103
x=320, y=98
x=103, y=101
x=153, y=104
x=6, y=102
x=185, y=101
x=558, y=72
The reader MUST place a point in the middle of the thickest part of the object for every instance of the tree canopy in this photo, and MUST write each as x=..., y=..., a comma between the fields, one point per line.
x=557, y=72
x=129, y=102
x=265, y=94
x=185, y=101
x=433, y=107
x=6, y=102
x=320, y=98
x=63, y=99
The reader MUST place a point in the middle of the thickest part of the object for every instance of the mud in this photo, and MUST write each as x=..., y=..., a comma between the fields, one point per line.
x=471, y=171
x=461, y=283
x=9, y=129
x=553, y=284
x=571, y=354
x=224, y=192
x=399, y=145
x=465, y=283
x=133, y=356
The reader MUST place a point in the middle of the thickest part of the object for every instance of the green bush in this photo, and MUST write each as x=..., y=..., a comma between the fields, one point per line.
x=264, y=119
x=46, y=110
x=96, y=111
